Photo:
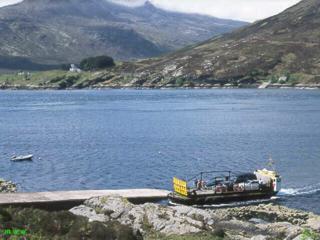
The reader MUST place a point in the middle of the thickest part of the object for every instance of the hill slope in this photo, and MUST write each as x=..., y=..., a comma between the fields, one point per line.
x=60, y=31
x=284, y=48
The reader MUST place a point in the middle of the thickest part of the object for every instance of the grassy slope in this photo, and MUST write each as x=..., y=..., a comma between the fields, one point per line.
x=43, y=225
x=58, y=79
x=48, y=79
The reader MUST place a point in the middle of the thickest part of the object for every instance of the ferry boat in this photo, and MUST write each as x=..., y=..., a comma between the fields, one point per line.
x=217, y=187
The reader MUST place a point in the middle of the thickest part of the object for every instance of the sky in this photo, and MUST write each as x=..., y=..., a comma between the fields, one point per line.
x=246, y=10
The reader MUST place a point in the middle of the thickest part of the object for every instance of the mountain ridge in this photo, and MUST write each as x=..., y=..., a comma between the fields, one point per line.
x=284, y=46
x=54, y=32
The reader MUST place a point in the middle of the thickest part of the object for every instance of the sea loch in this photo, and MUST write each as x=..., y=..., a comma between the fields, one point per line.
x=113, y=139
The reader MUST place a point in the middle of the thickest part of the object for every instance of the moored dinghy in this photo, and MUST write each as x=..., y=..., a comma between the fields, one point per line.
x=22, y=158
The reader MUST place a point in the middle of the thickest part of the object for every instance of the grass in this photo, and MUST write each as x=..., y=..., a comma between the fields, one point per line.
x=50, y=79
x=308, y=234
x=40, y=224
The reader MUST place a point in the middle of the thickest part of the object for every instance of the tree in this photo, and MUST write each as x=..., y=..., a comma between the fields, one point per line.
x=65, y=67
x=95, y=63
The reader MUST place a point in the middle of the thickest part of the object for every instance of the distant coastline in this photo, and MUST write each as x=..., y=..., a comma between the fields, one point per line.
x=122, y=76
x=39, y=88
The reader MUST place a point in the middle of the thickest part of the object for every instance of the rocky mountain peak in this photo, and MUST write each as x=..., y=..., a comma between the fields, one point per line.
x=66, y=31
x=149, y=4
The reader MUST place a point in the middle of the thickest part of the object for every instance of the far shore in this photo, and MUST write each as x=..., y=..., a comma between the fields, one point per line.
x=166, y=87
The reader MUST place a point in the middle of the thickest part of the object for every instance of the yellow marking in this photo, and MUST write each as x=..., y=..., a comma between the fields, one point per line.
x=180, y=186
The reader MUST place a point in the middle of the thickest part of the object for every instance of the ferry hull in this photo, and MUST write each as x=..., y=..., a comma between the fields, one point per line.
x=207, y=199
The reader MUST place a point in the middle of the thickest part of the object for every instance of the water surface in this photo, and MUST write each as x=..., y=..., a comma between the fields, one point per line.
x=141, y=138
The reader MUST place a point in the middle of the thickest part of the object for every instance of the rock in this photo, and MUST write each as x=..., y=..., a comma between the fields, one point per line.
x=301, y=237
x=169, y=68
x=313, y=223
x=168, y=221
x=259, y=237
x=240, y=227
x=61, y=225
x=165, y=220
x=267, y=212
x=199, y=214
x=110, y=205
x=265, y=221
x=281, y=230
x=90, y=213
x=219, y=232
x=7, y=186
x=257, y=221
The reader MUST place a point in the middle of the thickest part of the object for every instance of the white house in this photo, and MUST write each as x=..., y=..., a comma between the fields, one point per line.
x=74, y=68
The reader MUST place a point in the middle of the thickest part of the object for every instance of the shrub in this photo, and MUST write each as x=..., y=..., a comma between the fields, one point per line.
x=308, y=234
x=65, y=67
x=179, y=82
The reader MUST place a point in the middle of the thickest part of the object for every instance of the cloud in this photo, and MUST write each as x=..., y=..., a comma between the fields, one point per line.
x=247, y=10
x=8, y=2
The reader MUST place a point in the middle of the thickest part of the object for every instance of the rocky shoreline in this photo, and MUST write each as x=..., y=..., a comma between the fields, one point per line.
x=200, y=86
x=155, y=221
x=108, y=79
x=114, y=217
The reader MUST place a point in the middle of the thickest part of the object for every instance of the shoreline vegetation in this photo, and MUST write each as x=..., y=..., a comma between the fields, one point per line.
x=115, y=79
x=114, y=217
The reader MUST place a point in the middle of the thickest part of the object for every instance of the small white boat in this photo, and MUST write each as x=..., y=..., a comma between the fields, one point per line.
x=22, y=158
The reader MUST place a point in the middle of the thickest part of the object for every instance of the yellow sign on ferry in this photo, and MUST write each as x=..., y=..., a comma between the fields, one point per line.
x=180, y=186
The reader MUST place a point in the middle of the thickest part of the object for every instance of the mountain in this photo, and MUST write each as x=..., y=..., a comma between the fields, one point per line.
x=62, y=31
x=283, y=49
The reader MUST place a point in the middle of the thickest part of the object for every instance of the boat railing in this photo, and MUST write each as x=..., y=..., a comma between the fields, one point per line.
x=200, y=175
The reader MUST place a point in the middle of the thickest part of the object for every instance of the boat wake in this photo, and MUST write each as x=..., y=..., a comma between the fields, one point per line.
x=300, y=191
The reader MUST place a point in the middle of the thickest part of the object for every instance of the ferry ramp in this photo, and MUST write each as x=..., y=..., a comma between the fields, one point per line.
x=59, y=200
